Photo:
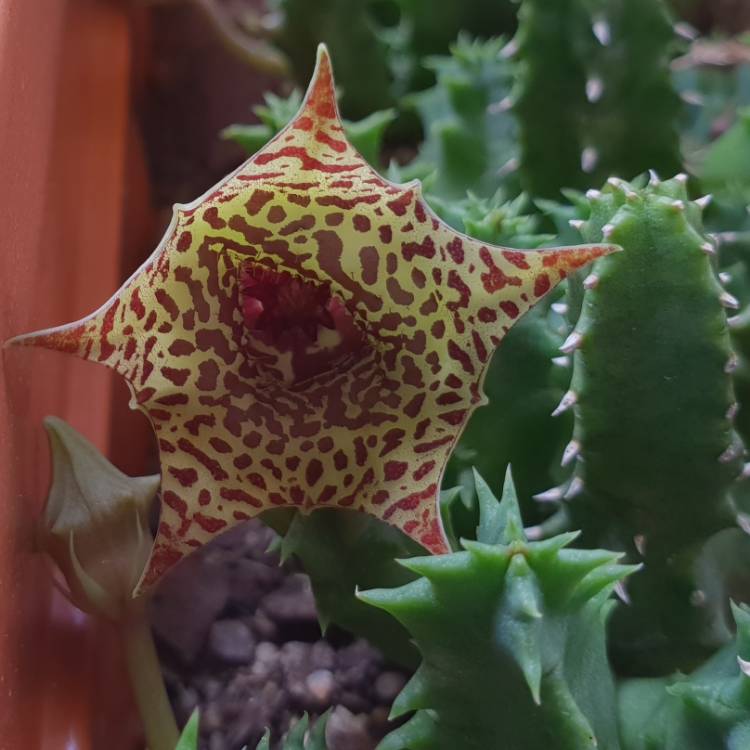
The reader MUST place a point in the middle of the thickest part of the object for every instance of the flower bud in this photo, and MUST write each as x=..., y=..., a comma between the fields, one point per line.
x=95, y=523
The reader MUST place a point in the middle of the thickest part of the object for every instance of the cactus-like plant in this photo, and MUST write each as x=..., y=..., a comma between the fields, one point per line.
x=301, y=736
x=707, y=710
x=654, y=447
x=554, y=41
x=469, y=138
x=630, y=75
x=523, y=624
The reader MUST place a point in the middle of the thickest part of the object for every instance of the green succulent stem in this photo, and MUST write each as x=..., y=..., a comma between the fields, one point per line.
x=159, y=724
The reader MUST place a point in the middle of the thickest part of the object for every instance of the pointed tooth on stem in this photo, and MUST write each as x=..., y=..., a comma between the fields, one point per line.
x=678, y=205
x=554, y=495
x=729, y=300
x=725, y=277
x=561, y=361
x=590, y=281
x=571, y=343
x=732, y=411
x=577, y=224
x=685, y=31
x=704, y=201
x=732, y=364
x=574, y=489
x=622, y=592
x=653, y=178
x=560, y=308
x=729, y=454
x=708, y=248
x=608, y=230
x=698, y=598
x=593, y=195
x=602, y=31
x=682, y=178
x=566, y=402
x=734, y=321
x=571, y=452
x=639, y=540
x=589, y=159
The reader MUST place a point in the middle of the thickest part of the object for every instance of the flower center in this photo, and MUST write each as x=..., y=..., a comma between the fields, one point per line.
x=296, y=329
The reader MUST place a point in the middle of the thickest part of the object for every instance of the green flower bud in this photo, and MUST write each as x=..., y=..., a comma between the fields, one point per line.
x=95, y=523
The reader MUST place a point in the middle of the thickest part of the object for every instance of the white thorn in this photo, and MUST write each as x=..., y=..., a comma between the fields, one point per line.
x=708, y=248
x=593, y=195
x=704, y=201
x=575, y=488
x=745, y=473
x=590, y=281
x=732, y=364
x=729, y=300
x=743, y=521
x=653, y=178
x=640, y=544
x=631, y=195
x=589, y=159
x=555, y=495
x=622, y=592
x=509, y=167
x=732, y=411
x=608, y=230
x=679, y=205
x=577, y=224
x=698, y=598
x=509, y=49
x=594, y=89
x=571, y=343
x=571, y=452
x=729, y=455
x=743, y=665
x=533, y=533
x=725, y=277
x=686, y=31
x=504, y=105
x=734, y=321
x=560, y=308
x=566, y=402
x=561, y=361
x=681, y=178
x=616, y=182
x=694, y=98
x=602, y=32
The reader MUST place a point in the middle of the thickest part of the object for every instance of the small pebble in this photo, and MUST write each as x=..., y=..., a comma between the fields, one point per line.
x=345, y=731
x=292, y=602
x=320, y=685
x=388, y=685
x=231, y=641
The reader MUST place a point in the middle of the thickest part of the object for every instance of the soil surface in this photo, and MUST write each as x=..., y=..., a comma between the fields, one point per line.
x=239, y=638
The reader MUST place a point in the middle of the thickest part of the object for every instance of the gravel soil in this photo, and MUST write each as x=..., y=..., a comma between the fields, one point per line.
x=239, y=638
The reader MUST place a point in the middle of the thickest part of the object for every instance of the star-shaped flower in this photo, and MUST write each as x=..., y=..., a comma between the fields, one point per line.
x=308, y=334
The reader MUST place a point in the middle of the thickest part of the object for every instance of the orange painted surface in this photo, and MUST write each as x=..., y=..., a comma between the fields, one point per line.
x=64, y=88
